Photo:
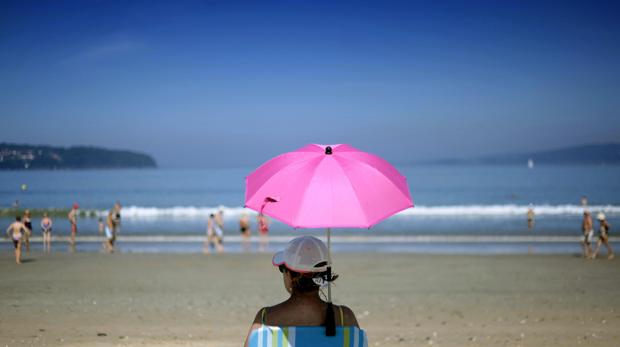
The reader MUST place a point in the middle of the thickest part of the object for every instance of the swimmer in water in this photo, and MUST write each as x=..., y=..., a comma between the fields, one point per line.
x=244, y=229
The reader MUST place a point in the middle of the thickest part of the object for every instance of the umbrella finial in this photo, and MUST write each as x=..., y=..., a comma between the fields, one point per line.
x=328, y=150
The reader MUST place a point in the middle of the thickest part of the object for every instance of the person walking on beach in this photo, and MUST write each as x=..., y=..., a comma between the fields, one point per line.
x=263, y=231
x=603, y=236
x=110, y=235
x=587, y=230
x=72, y=216
x=214, y=235
x=28, y=224
x=219, y=219
x=16, y=232
x=46, y=229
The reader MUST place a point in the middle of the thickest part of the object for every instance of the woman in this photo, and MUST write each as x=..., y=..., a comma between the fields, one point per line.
x=46, y=228
x=304, y=268
x=603, y=237
x=28, y=224
x=263, y=231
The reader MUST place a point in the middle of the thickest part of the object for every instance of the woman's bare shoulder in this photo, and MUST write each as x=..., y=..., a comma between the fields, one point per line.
x=349, y=316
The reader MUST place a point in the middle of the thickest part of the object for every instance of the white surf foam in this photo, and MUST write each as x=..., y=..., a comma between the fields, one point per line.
x=192, y=212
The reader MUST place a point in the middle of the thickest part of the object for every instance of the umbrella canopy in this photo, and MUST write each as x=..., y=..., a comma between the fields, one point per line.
x=320, y=186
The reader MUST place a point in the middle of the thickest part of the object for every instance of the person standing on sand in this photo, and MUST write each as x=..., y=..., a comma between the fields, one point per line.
x=219, y=220
x=46, y=229
x=117, y=218
x=530, y=218
x=263, y=230
x=115, y=215
x=15, y=232
x=72, y=216
x=244, y=229
x=214, y=235
x=603, y=236
x=110, y=235
x=587, y=232
x=28, y=224
x=101, y=226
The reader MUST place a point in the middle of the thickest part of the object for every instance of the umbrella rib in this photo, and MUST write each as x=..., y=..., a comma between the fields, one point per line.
x=279, y=172
x=406, y=193
x=358, y=200
x=303, y=195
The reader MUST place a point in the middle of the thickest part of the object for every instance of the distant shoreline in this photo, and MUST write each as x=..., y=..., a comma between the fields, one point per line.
x=22, y=157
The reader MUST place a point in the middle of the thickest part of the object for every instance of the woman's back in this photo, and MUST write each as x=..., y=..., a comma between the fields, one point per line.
x=304, y=268
x=300, y=313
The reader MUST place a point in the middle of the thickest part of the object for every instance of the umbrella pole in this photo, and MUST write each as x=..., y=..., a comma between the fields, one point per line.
x=330, y=322
x=329, y=265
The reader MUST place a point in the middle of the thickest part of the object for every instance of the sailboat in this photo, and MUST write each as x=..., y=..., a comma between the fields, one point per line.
x=530, y=163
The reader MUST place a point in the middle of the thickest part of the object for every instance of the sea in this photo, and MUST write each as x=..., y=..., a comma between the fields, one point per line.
x=465, y=209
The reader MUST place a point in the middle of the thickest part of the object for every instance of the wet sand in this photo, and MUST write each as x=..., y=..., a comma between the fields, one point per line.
x=90, y=299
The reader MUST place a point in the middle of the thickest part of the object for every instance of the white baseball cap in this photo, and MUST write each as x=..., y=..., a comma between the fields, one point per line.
x=303, y=254
x=600, y=216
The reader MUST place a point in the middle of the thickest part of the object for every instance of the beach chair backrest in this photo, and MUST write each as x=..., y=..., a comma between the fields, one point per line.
x=272, y=336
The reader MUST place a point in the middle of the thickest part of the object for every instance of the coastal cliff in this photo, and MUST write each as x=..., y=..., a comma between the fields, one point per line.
x=35, y=157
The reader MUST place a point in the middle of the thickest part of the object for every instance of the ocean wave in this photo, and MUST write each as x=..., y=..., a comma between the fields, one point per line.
x=508, y=210
x=139, y=212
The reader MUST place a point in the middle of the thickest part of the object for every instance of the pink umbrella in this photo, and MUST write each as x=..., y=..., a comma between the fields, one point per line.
x=321, y=186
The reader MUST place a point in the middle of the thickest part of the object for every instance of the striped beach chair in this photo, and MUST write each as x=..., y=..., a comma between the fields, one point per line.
x=271, y=336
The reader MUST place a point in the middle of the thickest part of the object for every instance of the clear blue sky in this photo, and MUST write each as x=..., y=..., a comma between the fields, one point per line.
x=210, y=83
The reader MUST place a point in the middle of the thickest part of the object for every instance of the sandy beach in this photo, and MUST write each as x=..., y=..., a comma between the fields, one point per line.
x=90, y=299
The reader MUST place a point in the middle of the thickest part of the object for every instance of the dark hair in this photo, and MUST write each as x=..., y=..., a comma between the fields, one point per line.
x=304, y=282
x=18, y=218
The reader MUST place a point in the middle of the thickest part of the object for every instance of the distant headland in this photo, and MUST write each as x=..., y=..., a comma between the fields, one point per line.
x=590, y=154
x=36, y=157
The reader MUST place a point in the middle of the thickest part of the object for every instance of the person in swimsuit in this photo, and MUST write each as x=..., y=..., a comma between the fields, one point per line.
x=219, y=227
x=100, y=226
x=72, y=216
x=214, y=233
x=116, y=218
x=46, y=228
x=15, y=232
x=263, y=231
x=603, y=237
x=587, y=231
x=530, y=218
x=303, y=265
x=110, y=235
x=28, y=224
x=244, y=229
